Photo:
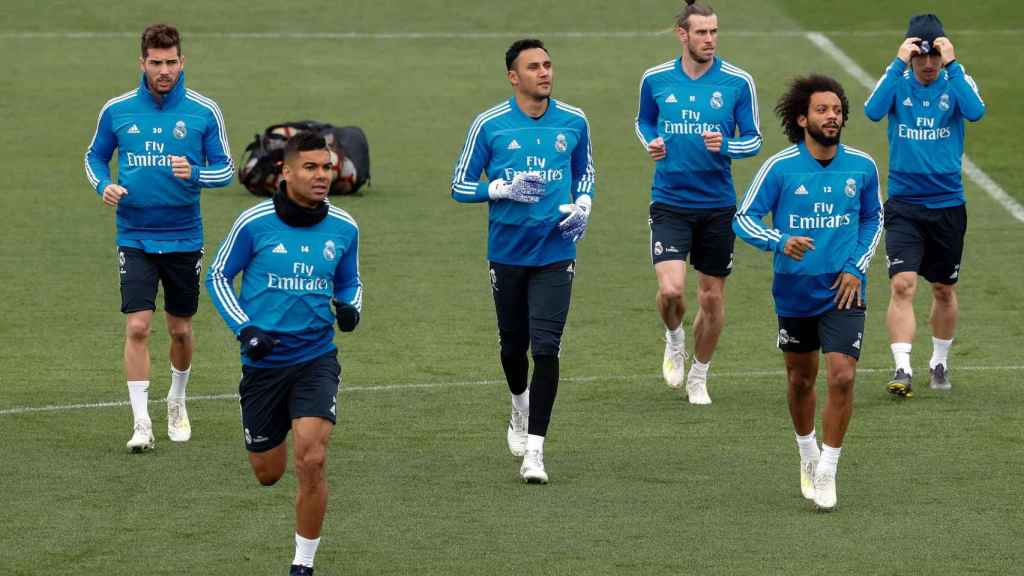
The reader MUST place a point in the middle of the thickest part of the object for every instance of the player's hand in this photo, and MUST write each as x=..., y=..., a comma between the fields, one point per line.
x=113, y=193
x=347, y=315
x=797, y=245
x=909, y=49
x=256, y=344
x=526, y=187
x=713, y=141
x=656, y=148
x=849, y=291
x=574, y=225
x=945, y=48
x=181, y=168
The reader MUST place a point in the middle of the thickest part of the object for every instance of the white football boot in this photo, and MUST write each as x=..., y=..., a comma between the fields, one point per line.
x=532, y=469
x=178, y=427
x=825, y=491
x=517, y=426
x=807, y=469
x=142, y=437
x=697, y=388
x=673, y=368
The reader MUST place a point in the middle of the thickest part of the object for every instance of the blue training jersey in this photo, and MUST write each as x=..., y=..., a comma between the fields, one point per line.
x=502, y=142
x=160, y=213
x=679, y=110
x=289, y=276
x=839, y=206
x=926, y=131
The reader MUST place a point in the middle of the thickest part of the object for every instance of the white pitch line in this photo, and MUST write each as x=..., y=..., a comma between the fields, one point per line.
x=976, y=174
x=337, y=35
x=429, y=385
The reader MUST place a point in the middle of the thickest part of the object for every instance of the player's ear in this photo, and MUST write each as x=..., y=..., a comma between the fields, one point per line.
x=142, y=63
x=801, y=121
x=681, y=34
x=513, y=77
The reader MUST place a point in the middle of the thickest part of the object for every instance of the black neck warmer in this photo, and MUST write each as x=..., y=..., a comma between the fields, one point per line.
x=297, y=216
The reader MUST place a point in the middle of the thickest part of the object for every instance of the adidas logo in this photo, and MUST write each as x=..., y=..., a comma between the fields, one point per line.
x=513, y=145
x=671, y=99
x=280, y=249
x=134, y=129
x=801, y=191
x=908, y=102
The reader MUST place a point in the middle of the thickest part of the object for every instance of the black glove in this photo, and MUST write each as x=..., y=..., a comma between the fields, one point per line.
x=348, y=316
x=256, y=343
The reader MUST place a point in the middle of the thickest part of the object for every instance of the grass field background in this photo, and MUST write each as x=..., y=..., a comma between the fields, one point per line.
x=642, y=483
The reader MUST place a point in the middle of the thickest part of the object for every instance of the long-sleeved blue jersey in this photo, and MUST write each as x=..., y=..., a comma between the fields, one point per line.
x=289, y=276
x=502, y=142
x=839, y=206
x=926, y=131
x=679, y=110
x=160, y=213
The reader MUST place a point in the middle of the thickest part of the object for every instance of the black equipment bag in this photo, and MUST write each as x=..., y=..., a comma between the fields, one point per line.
x=260, y=168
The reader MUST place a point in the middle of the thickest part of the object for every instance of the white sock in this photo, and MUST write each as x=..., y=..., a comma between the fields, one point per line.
x=305, y=550
x=534, y=442
x=808, y=446
x=940, y=352
x=829, y=459
x=699, y=369
x=521, y=402
x=901, y=355
x=677, y=337
x=138, y=395
x=179, y=379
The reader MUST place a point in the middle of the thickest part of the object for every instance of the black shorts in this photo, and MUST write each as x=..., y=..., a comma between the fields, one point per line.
x=141, y=272
x=272, y=397
x=834, y=331
x=928, y=241
x=706, y=236
x=532, y=304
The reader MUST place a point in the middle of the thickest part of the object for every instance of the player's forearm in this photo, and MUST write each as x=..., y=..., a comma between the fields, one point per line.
x=879, y=102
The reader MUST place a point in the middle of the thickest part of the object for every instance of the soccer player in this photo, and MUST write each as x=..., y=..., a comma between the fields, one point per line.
x=696, y=114
x=171, y=143
x=535, y=152
x=826, y=211
x=297, y=254
x=927, y=95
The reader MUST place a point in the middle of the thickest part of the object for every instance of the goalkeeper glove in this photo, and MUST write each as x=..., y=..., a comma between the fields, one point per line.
x=256, y=344
x=348, y=316
x=526, y=187
x=574, y=225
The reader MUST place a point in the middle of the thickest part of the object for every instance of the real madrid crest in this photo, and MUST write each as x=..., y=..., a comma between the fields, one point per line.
x=716, y=99
x=179, y=130
x=944, y=102
x=560, y=143
x=658, y=249
x=329, y=250
x=851, y=187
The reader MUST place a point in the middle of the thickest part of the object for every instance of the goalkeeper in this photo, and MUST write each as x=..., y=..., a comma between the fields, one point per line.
x=535, y=151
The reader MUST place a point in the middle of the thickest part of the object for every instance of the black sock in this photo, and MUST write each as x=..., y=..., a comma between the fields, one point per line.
x=543, y=389
x=516, y=368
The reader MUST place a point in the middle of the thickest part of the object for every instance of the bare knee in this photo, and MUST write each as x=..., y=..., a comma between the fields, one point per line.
x=944, y=294
x=180, y=334
x=800, y=382
x=669, y=291
x=137, y=329
x=712, y=302
x=309, y=464
x=904, y=286
x=840, y=381
x=268, y=477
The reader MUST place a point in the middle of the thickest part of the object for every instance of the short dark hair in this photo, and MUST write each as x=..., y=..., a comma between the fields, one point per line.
x=691, y=8
x=304, y=142
x=796, y=102
x=518, y=46
x=160, y=36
